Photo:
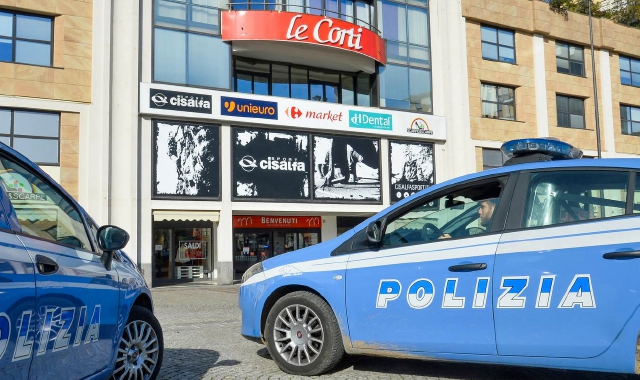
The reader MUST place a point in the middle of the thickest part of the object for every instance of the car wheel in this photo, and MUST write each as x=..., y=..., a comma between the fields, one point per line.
x=302, y=334
x=140, y=348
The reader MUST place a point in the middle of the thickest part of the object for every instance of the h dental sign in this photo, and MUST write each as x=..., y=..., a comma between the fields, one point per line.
x=305, y=28
x=179, y=101
x=370, y=120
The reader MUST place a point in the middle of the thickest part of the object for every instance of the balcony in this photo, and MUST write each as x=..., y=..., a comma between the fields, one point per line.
x=303, y=35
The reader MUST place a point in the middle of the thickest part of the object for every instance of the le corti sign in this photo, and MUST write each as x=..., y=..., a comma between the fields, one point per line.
x=217, y=106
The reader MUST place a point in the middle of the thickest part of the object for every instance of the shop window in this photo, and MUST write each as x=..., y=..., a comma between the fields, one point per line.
x=630, y=120
x=405, y=82
x=630, y=71
x=186, y=41
x=498, y=102
x=279, y=79
x=492, y=158
x=498, y=44
x=26, y=38
x=32, y=133
x=569, y=58
x=570, y=112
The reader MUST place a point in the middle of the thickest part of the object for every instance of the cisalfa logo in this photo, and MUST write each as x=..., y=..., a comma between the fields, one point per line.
x=180, y=101
x=159, y=99
x=248, y=163
x=240, y=107
x=420, y=125
x=293, y=112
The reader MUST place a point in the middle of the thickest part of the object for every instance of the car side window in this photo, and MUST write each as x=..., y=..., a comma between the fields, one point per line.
x=462, y=212
x=572, y=196
x=636, y=196
x=42, y=212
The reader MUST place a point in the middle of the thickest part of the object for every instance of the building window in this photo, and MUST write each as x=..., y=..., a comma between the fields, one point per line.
x=279, y=79
x=186, y=42
x=570, y=112
x=405, y=82
x=26, y=38
x=630, y=120
x=32, y=133
x=492, y=158
x=498, y=102
x=630, y=71
x=569, y=59
x=498, y=44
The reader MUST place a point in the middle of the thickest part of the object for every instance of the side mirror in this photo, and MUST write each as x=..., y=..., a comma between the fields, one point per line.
x=111, y=238
x=374, y=231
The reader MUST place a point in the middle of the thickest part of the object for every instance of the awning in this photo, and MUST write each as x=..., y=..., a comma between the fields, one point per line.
x=182, y=215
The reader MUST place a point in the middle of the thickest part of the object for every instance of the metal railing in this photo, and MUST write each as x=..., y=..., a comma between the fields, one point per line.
x=299, y=8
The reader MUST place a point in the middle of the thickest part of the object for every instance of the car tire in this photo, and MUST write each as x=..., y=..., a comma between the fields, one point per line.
x=140, y=348
x=303, y=335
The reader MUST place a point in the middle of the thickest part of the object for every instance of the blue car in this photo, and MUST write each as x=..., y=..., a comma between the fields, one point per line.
x=535, y=263
x=72, y=304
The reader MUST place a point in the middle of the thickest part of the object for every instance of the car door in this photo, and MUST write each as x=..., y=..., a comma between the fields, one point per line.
x=560, y=288
x=76, y=297
x=17, y=302
x=426, y=288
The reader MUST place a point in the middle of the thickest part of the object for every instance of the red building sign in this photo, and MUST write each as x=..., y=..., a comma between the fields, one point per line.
x=269, y=221
x=304, y=28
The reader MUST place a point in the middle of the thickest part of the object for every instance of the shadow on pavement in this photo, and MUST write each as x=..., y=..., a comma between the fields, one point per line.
x=190, y=363
x=436, y=369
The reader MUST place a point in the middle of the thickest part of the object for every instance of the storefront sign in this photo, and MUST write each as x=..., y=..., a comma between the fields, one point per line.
x=419, y=125
x=264, y=221
x=412, y=168
x=248, y=108
x=370, y=120
x=270, y=164
x=191, y=250
x=180, y=101
x=305, y=28
x=294, y=112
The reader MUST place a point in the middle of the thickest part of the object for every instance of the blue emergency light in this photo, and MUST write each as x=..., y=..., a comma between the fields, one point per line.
x=538, y=149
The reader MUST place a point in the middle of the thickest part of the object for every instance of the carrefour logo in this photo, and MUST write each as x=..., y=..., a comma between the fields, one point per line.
x=239, y=107
x=370, y=120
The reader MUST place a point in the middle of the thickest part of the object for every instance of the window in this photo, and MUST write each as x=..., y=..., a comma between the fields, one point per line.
x=405, y=82
x=26, y=38
x=498, y=102
x=186, y=42
x=630, y=71
x=498, y=44
x=569, y=59
x=463, y=212
x=630, y=120
x=636, y=196
x=572, y=196
x=32, y=133
x=570, y=112
x=279, y=79
x=42, y=212
x=492, y=158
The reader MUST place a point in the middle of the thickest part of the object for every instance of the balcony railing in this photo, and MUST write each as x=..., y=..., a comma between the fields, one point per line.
x=280, y=6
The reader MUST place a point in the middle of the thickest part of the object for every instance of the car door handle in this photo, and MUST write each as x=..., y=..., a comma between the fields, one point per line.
x=622, y=255
x=468, y=267
x=46, y=265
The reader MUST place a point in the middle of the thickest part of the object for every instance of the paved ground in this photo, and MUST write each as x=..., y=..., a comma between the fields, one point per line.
x=201, y=325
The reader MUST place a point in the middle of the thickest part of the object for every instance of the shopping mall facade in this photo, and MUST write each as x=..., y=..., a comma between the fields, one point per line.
x=223, y=134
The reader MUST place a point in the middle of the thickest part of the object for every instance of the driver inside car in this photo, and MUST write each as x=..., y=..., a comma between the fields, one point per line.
x=485, y=213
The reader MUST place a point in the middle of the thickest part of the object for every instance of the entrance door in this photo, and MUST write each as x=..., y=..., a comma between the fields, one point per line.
x=250, y=248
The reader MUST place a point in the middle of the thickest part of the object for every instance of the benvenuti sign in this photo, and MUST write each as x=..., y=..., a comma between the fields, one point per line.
x=303, y=28
x=370, y=120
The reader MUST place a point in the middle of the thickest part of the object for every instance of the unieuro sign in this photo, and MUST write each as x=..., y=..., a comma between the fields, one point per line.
x=305, y=28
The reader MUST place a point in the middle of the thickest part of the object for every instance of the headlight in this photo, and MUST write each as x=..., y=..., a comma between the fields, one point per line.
x=254, y=269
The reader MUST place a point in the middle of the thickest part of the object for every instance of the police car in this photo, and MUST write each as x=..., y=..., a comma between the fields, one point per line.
x=72, y=305
x=534, y=264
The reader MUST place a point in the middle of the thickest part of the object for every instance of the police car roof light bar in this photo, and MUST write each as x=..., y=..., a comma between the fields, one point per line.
x=538, y=149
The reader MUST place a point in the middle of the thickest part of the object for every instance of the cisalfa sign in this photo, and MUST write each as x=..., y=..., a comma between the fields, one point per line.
x=305, y=28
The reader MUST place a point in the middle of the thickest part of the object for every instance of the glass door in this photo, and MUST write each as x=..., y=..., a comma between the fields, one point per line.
x=250, y=248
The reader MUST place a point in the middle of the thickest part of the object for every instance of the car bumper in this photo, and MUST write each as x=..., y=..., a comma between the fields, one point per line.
x=251, y=302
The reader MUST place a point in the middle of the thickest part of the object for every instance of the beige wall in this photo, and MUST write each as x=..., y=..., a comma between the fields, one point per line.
x=527, y=17
x=69, y=78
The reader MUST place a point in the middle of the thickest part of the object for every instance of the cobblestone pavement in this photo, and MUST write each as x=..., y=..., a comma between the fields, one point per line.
x=201, y=325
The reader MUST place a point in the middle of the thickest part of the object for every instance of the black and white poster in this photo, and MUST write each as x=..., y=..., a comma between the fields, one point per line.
x=346, y=168
x=411, y=168
x=270, y=164
x=187, y=160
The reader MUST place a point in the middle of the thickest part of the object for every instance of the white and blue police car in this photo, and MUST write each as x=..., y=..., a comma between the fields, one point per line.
x=534, y=264
x=72, y=304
